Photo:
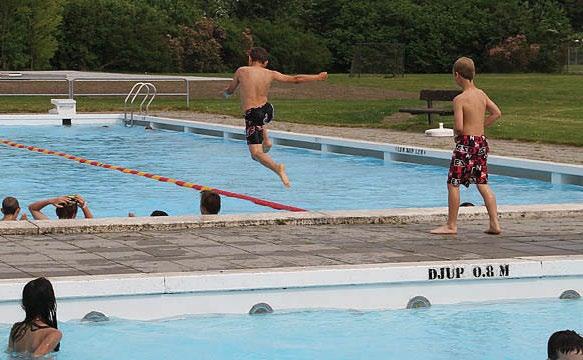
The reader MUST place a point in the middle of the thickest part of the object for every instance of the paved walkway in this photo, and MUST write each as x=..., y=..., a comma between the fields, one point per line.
x=546, y=152
x=280, y=246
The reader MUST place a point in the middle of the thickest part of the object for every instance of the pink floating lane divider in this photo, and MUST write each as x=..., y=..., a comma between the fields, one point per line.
x=181, y=183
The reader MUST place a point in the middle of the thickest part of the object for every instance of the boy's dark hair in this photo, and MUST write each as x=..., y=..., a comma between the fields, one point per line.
x=67, y=210
x=210, y=202
x=10, y=206
x=565, y=341
x=159, y=213
x=258, y=54
x=465, y=67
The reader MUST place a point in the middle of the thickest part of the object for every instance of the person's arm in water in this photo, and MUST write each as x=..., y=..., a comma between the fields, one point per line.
x=49, y=343
x=458, y=116
x=494, y=112
x=36, y=207
x=232, y=86
x=83, y=205
x=297, y=79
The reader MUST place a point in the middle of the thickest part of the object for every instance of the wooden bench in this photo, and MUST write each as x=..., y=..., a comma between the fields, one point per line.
x=430, y=96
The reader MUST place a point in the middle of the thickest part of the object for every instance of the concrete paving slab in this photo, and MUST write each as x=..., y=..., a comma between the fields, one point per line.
x=281, y=246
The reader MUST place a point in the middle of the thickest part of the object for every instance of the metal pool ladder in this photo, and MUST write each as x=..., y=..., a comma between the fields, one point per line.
x=148, y=90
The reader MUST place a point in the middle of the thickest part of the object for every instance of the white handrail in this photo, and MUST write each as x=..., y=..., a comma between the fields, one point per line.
x=136, y=90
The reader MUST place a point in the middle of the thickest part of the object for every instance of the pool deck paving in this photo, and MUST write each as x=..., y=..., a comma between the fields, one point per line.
x=281, y=246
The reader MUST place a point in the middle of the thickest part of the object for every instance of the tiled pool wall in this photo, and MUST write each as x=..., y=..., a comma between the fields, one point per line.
x=501, y=165
x=364, y=287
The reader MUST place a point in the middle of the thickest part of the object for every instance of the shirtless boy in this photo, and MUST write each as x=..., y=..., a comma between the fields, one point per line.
x=255, y=81
x=469, y=160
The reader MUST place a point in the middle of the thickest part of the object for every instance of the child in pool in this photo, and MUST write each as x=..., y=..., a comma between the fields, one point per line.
x=37, y=334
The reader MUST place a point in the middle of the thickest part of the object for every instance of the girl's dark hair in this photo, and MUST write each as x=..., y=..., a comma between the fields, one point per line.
x=38, y=302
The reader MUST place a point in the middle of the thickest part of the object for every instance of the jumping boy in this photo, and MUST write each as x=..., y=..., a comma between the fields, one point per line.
x=255, y=81
x=469, y=160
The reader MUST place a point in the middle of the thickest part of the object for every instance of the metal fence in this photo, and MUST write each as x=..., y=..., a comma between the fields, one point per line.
x=574, y=59
x=71, y=85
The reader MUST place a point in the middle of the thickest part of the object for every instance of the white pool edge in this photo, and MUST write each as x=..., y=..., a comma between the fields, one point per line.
x=355, y=287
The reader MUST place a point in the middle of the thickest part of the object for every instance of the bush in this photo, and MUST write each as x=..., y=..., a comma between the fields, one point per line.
x=198, y=49
x=291, y=50
x=113, y=35
x=512, y=55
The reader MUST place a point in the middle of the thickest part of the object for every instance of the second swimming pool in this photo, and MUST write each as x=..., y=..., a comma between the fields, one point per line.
x=490, y=331
x=320, y=181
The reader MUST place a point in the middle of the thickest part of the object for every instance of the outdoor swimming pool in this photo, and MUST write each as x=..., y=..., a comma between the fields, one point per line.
x=511, y=330
x=320, y=181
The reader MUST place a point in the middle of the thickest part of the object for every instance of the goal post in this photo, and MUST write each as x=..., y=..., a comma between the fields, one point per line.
x=378, y=59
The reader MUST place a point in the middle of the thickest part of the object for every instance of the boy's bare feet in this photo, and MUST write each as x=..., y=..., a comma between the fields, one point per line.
x=267, y=144
x=494, y=230
x=283, y=175
x=444, y=230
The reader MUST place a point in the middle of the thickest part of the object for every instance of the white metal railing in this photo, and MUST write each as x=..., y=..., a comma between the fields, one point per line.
x=72, y=92
x=135, y=92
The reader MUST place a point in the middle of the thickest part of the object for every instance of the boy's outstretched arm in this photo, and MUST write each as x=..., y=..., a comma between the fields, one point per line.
x=494, y=112
x=296, y=79
x=458, y=117
x=233, y=85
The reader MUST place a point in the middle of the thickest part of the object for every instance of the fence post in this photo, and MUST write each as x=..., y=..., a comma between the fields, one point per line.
x=187, y=94
x=71, y=88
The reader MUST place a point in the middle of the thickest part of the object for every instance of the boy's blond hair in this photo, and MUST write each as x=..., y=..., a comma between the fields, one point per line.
x=465, y=67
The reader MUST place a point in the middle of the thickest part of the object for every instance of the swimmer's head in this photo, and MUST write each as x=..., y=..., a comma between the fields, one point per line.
x=464, y=68
x=566, y=344
x=10, y=206
x=259, y=55
x=159, y=213
x=68, y=209
x=210, y=202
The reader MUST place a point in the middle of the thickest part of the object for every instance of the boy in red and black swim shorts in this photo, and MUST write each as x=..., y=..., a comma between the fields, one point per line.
x=255, y=120
x=469, y=163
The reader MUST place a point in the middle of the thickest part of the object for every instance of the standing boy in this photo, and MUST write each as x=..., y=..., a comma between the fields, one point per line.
x=469, y=160
x=255, y=81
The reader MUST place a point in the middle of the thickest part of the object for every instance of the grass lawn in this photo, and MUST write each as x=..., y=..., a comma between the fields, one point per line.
x=536, y=107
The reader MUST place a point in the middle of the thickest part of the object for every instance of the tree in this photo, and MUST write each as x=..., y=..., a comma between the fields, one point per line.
x=198, y=49
x=43, y=19
x=28, y=30
x=12, y=32
x=574, y=11
x=290, y=50
x=114, y=35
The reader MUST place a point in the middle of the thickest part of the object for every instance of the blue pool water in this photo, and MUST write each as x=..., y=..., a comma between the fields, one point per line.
x=516, y=331
x=320, y=181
